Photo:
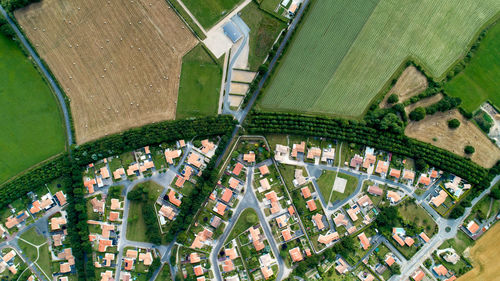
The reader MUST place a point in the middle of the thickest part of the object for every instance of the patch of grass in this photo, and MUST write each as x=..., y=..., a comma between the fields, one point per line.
x=43, y=255
x=335, y=66
x=32, y=126
x=247, y=219
x=209, y=12
x=325, y=183
x=199, y=87
x=479, y=81
x=264, y=29
x=459, y=242
x=410, y=211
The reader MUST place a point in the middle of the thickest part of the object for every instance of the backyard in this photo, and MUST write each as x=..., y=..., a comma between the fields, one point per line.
x=32, y=127
x=200, y=83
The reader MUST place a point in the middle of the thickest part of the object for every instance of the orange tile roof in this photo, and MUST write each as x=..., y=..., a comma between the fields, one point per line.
x=308, y=252
x=174, y=200
x=352, y=213
x=375, y=190
x=64, y=267
x=114, y=216
x=398, y=239
x=364, y=201
x=472, y=227
x=249, y=157
x=207, y=146
x=313, y=152
x=131, y=254
x=282, y=221
x=440, y=270
x=233, y=183
x=264, y=170
x=409, y=241
x=237, y=168
x=409, y=175
x=424, y=237
x=272, y=196
x=115, y=204
x=118, y=173
x=104, y=172
x=306, y=193
x=275, y=207
x=228, y=265
x=452, y=278
x=61, y=197
x=296, y=254
x=327, y=239
x=182, y=143
x=132, y=169
x=227, y=195
x=167, y=212
x=194, y=159
x=286, y=234
x=265, y=184
x=394, y=196
x=418, y=275
x=291, y=210
x=389, y=260
x=434, y=174
x=267, y=272
x=146, y=258
x=129, y=263
x=104, y=244
x=382, y=167
x=180, y=181
x=369, y=160
x=395, y=173
x=57, y=240
x=198, y=270
x=170, y=155
x=424, y=180
x=106, y=229
x=340, y=220
x=440, y=198
x=10, y=255
x=255, y=234
x=356, y=161
x=318, y=219
x=109, y=257
x=35, y=208
x=231, y=253
x=220, y=208
x=311, y=205
x=364, y=241
x=55, y=223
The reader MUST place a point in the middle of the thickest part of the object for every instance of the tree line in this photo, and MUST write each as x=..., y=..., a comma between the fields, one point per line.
x=354, y=131
x=11, y=5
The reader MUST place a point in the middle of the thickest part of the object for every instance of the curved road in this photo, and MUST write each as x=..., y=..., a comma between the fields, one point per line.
x=45, y=72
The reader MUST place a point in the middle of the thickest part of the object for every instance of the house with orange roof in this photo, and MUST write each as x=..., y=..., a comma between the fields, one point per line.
x=106, y=230
x=267, y=272
x=365, y=242
x=313, y=152
x=249, y=157
x=472, y=227
x=231, y=253
x=329, y=238
x=365, y=276
x=395, y=173
x=356, y=161
x=118, y=173
x=291, y=210
x=408, y=175
x=299, y=179
x=434, y=174
x=104, y=244
x=129, y=264
x=90, y=184
x=194, y=159
x=375, y=190
x=418, y=275
x=282, y=221
x=108, y=259
x=264, y=170
x=409, y=241
x=170, y=155
x=97, y=205
x=340, y=220
x=298, y=148
x=306, y=193
x=115, y=204
x=296, y=254
x=10, y=255
x=133, y=170
x=318, y=221
x=131, y=254
x=364, y=201
x=394, y=197
x=227, y=266
x=328, y=155
x=207, y=146
x=220, y=208
x=227, y=195
x=167, y=212
x=237, y=169
x=389, y=260
x=311, y=205
x=424, y=237
x=172, y=198
x=382, y=167
x=352, y=212
x=181, y=143
x=440, y=270
x=424, y=180
x=256, y=238
x=146, y=258
x=398, y=239
x=200, y=238
x=440, y=198
x=369, y=160
x=104, y=172
x=287, y=235
x=341, y=266
x=215, y=221
x=114, y=216
x=146, y=165
x=264, y=185
x=234, y=183
x=57, y=222
x=57, y=238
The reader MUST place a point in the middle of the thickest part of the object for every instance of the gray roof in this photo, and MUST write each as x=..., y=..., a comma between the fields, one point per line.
x=232, y=32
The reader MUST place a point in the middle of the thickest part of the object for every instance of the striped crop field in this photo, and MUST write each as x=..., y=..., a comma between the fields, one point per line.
x=347, y=50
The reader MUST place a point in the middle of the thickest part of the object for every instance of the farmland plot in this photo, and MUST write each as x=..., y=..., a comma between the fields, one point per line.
x=118, y=61
x=346, y=51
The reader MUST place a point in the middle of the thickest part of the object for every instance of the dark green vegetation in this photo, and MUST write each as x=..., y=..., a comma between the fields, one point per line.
x=246, y=219
x=483, y=120
x=469, y=149
x=142, y=224
x=443, y=105
x=209, y=12
x=453, y=123
x=479, y=81
x=357, y=132
x=11, y=5
x=199, y=87
x=264, y=29
x=31, y=129
x=6, y=29
x=393, y=99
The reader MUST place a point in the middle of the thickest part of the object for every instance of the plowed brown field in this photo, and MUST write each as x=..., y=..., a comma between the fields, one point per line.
x=118, y=61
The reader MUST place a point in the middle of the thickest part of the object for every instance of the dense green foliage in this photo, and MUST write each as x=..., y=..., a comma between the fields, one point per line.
x=417, y=114
x=453, y=123
x=32, y=179
x=469, y=149
x=148, y=213
x=6, y=29
x=32, y=127
x=199, y=87
x=475, y=79
x=483, y=120
x=11, y=5
x=393, y=99
x=357, y=132
x=152, y=134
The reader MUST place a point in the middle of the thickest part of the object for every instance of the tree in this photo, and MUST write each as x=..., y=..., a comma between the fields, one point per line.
x=469, y=150
x=457, y=212
x=417, y=114
x=453, y=123
x=495, y=193
x=393, y=99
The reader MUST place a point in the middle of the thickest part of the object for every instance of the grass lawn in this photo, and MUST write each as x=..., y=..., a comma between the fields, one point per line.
x=459, y=243
x=479, y=81
x=325, y=183
x=164, y=273
x=410, y=211
x=42, y=258
x=264, y=29
x=270, y=7
x=276, y=139
x=199, y=87
x=346, y=51
x=247, y=219
x=136, y=227
x=32, y=126
x=209, y=12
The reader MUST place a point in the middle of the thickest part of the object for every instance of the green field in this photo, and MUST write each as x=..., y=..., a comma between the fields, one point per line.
x=346, y=51
x=209, y=12
x=480, y=79
x=199, y=87
x=246, y=219
x=327, y=179
x=31, y=128
x=264, y=29
x=42, y=256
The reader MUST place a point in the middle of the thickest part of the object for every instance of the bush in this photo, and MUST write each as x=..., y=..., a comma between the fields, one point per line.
x=469, y=150
x=393, y=99
x=453, y=123
x=417, y=114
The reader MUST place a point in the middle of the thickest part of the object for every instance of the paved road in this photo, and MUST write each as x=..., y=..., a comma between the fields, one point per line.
x=248, y=201
x=45, y=72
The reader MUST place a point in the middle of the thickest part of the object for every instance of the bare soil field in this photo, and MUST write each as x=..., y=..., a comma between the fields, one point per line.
x=424, y=102
x=434, y=129
x=411, y=82
x=119, y=61
x=485, y=257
